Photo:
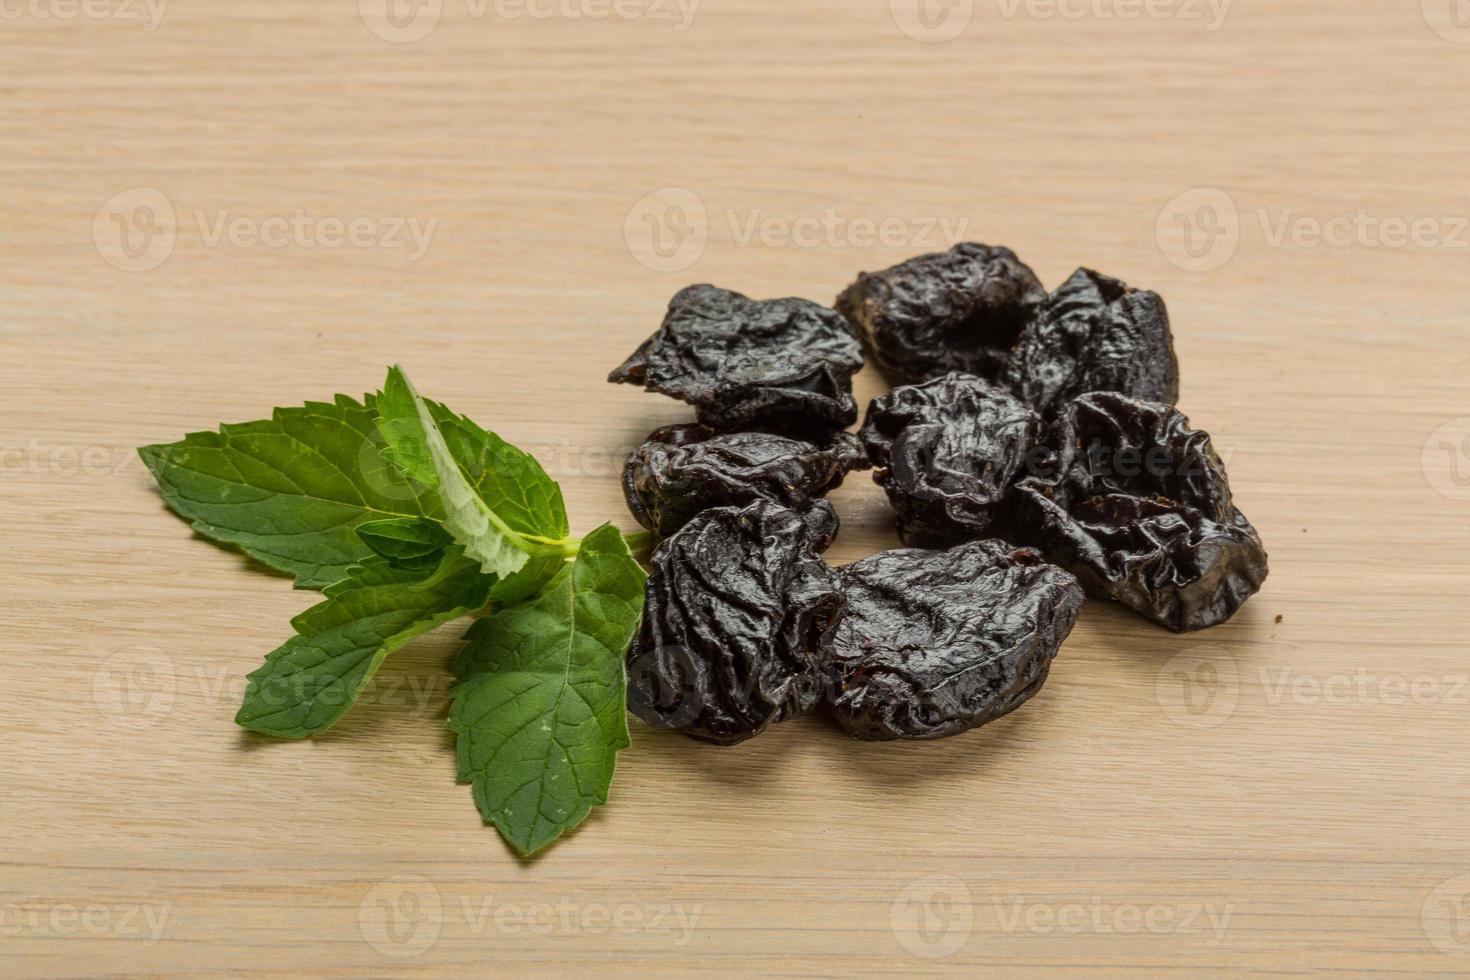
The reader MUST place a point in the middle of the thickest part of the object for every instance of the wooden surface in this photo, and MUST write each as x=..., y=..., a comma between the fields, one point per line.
x=1286, y=793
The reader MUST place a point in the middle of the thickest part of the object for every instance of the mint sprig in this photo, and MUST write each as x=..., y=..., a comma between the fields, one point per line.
x=311, y=681
x=291, y=490
x=408, y=515
x=420, y=450
x=406, y=543
x=540, y=712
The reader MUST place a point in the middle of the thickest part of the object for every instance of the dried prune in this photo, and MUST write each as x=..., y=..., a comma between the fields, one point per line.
x=1095, y=333
x=959, y=310
x=737, y=601
x=780, y=365
x=684, y=469
x=935, y=643
x=947, y=452
x=1137, y=505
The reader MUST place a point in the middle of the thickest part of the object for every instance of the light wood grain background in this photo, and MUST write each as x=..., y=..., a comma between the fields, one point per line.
x=1270, y=796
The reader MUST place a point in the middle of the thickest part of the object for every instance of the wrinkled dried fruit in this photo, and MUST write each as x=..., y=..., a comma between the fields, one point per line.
x=935, y=643
x=684, y=469
x=948, y=451
x=1095, y=333
x=959, y=310
x=780, y=365
x=737, y=601
x=1136, y=504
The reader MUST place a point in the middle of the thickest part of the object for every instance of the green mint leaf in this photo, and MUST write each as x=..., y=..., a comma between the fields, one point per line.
x=528, y=582
x=405, y=542
x=311, y=681
x=419, y=447
x=510, y=482
x=290, y=490
x=540, y=712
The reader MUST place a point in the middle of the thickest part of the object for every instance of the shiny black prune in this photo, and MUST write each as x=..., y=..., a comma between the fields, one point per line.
x=947, y=452
x=780, y=365
x=959, y=310
x=1136, y=504
x=935, y=643
x=1095, y=333
x=684, y=469
x=737, y=601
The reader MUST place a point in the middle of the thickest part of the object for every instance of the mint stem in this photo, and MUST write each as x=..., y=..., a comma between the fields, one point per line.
x=640, y=543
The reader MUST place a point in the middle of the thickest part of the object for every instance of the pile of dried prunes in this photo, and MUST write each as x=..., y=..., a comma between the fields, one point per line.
x=1031, y=452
